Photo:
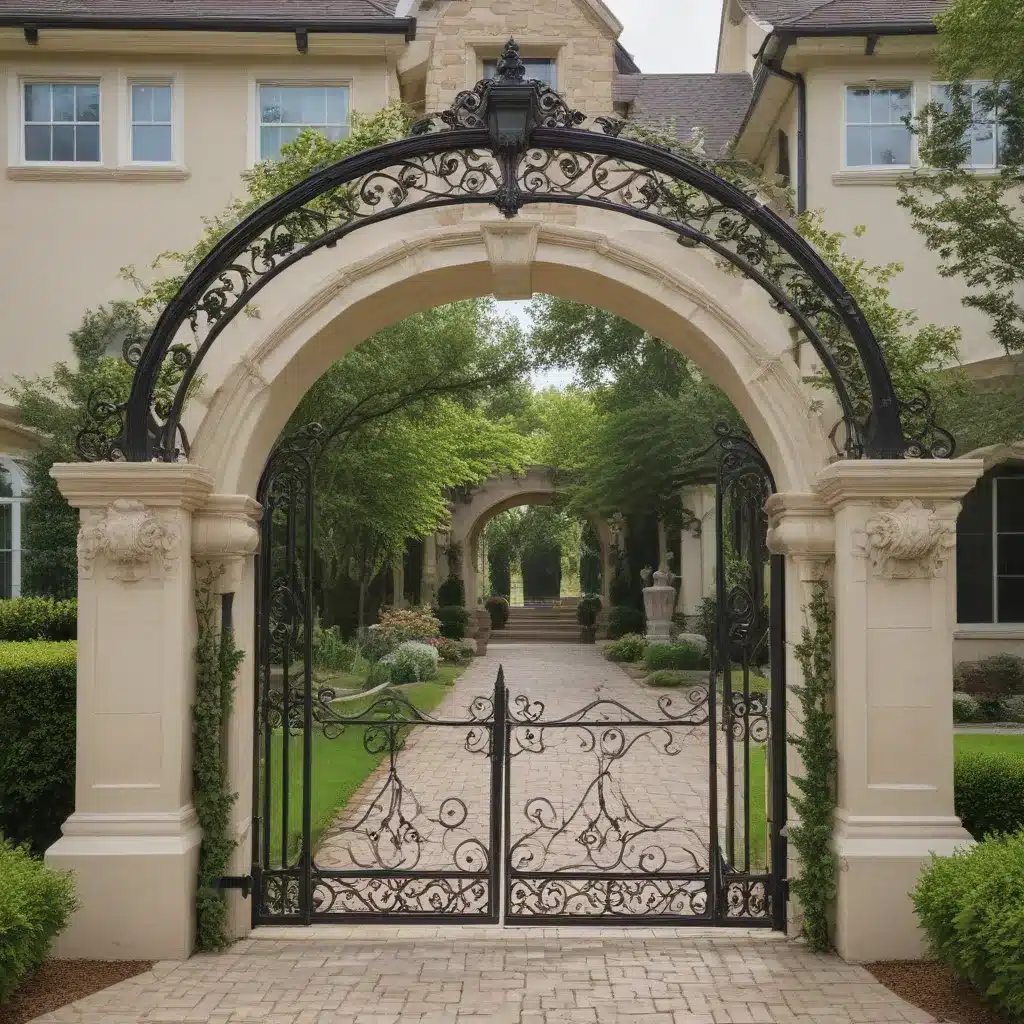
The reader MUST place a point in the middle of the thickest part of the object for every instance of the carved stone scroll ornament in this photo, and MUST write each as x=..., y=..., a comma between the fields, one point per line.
x=909, y=541
x=134, y=542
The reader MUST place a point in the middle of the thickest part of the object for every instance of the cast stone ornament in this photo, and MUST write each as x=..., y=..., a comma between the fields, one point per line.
x=134, y=542
x=909, y=541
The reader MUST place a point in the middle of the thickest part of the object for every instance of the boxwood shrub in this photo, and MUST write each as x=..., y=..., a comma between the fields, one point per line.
x=971, y=906
x=989, y=792
x=674, y=656
x=454, y=619
x=669, y=677
x=623, y=619
x=38, y=618
x=37, y=753
x=35, y=906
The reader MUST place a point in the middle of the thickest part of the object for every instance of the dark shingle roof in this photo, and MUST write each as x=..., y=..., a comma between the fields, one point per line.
x=318, y=12
x=821, y=15
x=716, y=103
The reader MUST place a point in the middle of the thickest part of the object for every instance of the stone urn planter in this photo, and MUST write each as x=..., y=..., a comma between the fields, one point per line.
x=659, y=604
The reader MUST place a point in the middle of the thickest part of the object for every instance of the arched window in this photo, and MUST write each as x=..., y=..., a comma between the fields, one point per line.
x=12, y=494
x=990, y=549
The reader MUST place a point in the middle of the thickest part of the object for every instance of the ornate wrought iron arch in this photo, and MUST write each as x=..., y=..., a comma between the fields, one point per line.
x=509, y=143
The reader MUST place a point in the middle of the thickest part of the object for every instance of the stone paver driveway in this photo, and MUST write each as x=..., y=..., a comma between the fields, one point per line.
x=350, y=974
x=467, y=975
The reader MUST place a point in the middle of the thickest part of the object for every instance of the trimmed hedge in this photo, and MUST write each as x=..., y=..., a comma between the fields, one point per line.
x=674, y=656
x=1001, y=675
x=38, y=618
x=989, y=792
x=623, y=619
x=588, y=610
x=451, y=593
x=454, y=620
x=37, y=755
x=35, y=906
x=498, y=608
x=669, y=677
x=971, y=906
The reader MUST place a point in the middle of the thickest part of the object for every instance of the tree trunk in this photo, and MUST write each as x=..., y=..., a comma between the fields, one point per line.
x=362, y=603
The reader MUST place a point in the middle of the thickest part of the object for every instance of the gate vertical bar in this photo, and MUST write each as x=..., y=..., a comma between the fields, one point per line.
x=306, y=864
x=498, y=780
x=717, y=661
x=778, y=744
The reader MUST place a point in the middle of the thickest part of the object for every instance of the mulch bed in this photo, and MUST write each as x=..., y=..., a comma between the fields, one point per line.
x=934, y=988
x=60, y=982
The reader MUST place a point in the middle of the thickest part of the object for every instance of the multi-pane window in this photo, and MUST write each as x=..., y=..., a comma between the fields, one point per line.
x=62, y=122
x=990, y=551
x=152, y=125
x=11, y=492
x=541, y=69
x=985, y=133
x=287, y=110
x=876, y=133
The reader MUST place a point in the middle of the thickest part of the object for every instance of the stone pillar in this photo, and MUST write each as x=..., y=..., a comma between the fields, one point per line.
x=895, y=590
x=691, y=556
x=398, y=584
x=133, y=840
x=801, y=529
x=225, y=537
x=428, y=591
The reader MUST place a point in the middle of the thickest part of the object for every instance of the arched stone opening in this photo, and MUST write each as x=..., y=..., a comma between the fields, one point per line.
x=133, y=838
x=535, y=486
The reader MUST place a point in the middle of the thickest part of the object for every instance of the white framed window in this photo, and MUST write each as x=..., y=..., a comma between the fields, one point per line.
x=151, y=122
x=876, y=133
x=985, y=133
x=541, y=69
x=60, y=122
x=286, y=110
x=12, y=494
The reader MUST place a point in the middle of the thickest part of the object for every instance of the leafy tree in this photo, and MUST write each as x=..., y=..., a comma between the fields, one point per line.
x=973, y=222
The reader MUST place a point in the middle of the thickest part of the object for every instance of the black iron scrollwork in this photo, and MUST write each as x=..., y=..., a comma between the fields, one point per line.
x=538, y=151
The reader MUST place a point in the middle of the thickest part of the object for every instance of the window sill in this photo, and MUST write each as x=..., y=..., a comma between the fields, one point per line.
x=989, y=631
x=893, y=176
x=40, y=172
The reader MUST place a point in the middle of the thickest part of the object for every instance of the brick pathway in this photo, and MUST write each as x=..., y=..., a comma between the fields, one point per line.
x=467, y=975
x=344, y=974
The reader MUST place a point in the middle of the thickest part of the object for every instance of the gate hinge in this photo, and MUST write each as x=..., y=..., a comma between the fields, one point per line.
x=243, y=882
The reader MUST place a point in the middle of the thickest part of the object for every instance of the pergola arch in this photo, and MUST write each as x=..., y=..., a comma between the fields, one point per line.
x=536, y=485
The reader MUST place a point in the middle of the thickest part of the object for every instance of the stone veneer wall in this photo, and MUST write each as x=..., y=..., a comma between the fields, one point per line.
x=469, y=31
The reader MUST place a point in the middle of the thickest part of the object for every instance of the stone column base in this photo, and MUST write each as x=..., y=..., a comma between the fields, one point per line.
x=135, y=875
x=880, y=861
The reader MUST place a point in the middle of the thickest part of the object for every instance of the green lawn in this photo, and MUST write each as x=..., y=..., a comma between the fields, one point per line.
x=990, y=743
x=340, y=765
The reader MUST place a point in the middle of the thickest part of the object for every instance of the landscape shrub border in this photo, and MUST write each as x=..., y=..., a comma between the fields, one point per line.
x=217, y=663
x=815, y=802
x=38, y=618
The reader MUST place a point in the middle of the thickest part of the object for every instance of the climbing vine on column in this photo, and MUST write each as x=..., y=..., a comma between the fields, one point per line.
x=815, y=803
x=217, y=663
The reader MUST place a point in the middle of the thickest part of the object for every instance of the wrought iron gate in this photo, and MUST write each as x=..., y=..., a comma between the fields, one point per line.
x=640, y=807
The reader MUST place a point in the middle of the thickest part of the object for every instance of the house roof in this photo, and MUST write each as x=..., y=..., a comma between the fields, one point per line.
x=716, y=103
x=198, y=13
x=837, y=15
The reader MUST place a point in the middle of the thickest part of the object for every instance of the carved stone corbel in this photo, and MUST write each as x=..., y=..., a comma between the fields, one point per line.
x=909, y=541
x=135, y=543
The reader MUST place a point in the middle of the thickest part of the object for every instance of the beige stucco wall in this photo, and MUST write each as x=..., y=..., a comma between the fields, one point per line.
x=66, y=240
x=573, y=32
x=869, y=197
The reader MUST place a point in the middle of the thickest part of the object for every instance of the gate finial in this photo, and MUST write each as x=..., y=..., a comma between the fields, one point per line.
x=510, y=66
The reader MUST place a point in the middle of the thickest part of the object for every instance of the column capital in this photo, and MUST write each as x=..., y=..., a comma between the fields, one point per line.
x=872, y=481
x=800, y=525
x=225, y=532
x=156, y=484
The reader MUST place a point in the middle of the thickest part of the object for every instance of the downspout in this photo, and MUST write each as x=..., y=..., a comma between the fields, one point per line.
x=798, y=80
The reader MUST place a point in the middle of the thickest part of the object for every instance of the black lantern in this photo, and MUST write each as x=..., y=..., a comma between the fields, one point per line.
x=511, y=103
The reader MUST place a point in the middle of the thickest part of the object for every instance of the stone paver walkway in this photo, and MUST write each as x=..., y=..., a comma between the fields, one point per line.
x=460, y=974
x=467, y=975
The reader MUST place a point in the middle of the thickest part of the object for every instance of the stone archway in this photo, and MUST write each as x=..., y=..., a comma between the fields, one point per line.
x=882, y=529
x=535, y=486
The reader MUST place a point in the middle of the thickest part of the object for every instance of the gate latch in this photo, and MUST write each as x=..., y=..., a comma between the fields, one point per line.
x=243, y=882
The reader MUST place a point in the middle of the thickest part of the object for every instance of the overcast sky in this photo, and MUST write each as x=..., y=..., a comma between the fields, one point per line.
x=670, y=36
x=664, y=37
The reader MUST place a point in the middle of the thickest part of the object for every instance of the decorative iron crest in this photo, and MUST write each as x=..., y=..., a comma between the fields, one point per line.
x=507, y=143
